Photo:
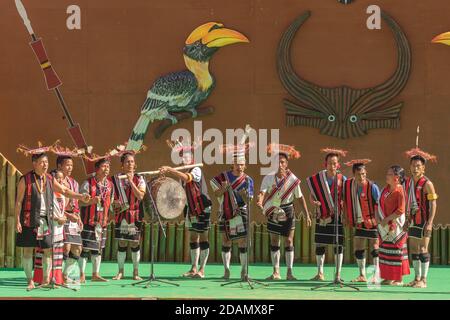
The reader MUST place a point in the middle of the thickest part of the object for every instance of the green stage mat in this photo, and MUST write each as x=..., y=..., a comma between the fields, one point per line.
x=12, y=285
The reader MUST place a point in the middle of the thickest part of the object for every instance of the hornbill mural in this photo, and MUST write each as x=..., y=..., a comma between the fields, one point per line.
x=343, y=112
x=187, y=89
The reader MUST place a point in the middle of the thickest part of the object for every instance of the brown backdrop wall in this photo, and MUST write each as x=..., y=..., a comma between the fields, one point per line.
x=123, y=46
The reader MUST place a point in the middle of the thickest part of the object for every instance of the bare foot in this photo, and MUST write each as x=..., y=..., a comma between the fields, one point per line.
x=412, y=283
x=30, y=285
x=290, y=277
x=244, y=275
x=118, y=276
x=319, y=277
x=274, y=276
x=397, y=283
x=226, y=274
x=136, y=276
x=387, y=282
x=190, y=273
x=420, y=284
x=200, y=274
x=98, y=278
x=360, y=278
x=82, y=278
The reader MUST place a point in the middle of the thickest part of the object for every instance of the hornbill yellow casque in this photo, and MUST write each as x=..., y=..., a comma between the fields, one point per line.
x=187, y=89
x=443, y=38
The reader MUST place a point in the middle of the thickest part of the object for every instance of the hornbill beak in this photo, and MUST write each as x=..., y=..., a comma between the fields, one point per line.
x=214, y=35
x=443, y=38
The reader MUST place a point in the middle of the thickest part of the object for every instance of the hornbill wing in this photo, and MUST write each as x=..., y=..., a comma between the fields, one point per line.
x=173, y=91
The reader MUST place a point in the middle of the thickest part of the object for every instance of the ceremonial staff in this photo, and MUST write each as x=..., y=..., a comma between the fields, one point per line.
x=53, y=82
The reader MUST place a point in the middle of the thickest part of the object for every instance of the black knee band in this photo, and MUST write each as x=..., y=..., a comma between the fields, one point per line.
x=374, y=253
x=274, y=248
x=194, y=245
x=121, y=249
x=95, y=253
x=72, y=256
x=288, y=249
x=136, y=249
x=360, y=254
x=340, y=249
x=226, y=249
x=415, y=256
x=204, y=245
x=242, y=250
x=65, y=256
x=424, y=257
x=320, y=251
x=84, y=254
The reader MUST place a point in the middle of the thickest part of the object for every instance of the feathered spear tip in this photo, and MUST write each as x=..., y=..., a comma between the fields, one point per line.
x=357, y=161
x=339, y=152
x=418, y=152
x=285, y=149
x=178, y=146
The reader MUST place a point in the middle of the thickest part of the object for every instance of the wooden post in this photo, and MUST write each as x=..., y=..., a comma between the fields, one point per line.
x=146, y=242
x=297, y=241
x=305, y=243
x=162, y=241
x=171, y=242
x=3, y=209
x=179, y=241
x=435, y=258
x=212, y=244
x=443, y=244
x=218, y=243
x=114, y=244
x=348, y=245
x=312, y=242
x=257, y=243
x=187, y=248
x=265, y=249
x=448, y=244
x=10, y=222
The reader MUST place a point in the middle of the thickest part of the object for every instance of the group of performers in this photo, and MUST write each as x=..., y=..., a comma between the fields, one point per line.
x=56, y=216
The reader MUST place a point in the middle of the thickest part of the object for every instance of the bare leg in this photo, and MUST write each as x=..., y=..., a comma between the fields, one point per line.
x=289, y=255
x=414, y=248
x=320, y=259
x=121, y=257
x=204, y=253
x=360, y=255
x=243, y=256
x=135, y=257
x=27, y=262
x=195, y=254
x=275, y=256
x=424, y=261
x=226, y=256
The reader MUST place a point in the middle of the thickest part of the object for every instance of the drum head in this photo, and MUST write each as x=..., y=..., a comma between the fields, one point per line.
x=170, y=198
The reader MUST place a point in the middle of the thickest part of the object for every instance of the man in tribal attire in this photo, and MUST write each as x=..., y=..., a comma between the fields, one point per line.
x=198, y=207
x=323, y=187
x=233, y=190
x=73, y=225
x=276, y=199
x=95, y=216
x=129, y=218
x=34, y=212
x=421, y=207
x=361, y=206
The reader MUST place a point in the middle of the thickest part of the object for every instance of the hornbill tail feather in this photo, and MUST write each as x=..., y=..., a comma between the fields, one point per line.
x=137, y=136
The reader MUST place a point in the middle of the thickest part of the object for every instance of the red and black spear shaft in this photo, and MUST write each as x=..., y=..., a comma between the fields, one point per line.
x=53, y=82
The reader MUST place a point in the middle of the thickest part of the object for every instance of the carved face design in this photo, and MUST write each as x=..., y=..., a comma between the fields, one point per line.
x=343, y=112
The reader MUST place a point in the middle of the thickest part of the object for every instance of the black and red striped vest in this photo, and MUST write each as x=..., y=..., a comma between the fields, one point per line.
x=73, y=202
x=196, y=200
x=423, y=203
x=31, y=203
x=89, y=214
x=367, y=202
x=134, y=212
